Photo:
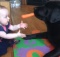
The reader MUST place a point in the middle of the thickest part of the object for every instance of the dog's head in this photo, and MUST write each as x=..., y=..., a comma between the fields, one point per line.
x=51, y=14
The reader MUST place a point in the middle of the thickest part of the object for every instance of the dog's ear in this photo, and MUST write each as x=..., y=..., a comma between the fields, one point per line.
x=55, y=16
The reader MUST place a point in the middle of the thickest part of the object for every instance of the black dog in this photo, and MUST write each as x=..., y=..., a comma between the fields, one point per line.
x=50, y=14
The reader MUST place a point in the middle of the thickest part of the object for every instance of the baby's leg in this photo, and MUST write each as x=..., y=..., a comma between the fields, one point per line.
x=3, y=47
x=13, y=41
x=16, y=41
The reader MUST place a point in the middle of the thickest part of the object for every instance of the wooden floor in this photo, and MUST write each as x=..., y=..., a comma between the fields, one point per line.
x=9, y=53
x=34, y=24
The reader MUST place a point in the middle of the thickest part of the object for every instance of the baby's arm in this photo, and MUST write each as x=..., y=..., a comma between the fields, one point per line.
x=11, y=35
x=18, y=26
x=14, y=27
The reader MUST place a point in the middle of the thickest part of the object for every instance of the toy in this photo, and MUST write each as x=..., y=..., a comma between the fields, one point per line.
x=27, y=15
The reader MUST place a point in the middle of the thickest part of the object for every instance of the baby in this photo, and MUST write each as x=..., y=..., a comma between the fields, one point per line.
x=5, y=26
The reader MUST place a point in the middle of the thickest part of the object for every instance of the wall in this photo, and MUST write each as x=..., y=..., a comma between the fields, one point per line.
x=7, y=5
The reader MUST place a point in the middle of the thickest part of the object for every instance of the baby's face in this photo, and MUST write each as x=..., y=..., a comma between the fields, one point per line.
x=4, y=16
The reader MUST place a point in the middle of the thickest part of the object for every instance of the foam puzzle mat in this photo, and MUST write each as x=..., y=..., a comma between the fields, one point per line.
x=30, y=48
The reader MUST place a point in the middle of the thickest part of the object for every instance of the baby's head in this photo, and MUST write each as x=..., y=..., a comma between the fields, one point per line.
x=4, y=15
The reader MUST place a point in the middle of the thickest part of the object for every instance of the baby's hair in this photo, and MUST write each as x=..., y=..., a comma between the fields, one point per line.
x=2, y=7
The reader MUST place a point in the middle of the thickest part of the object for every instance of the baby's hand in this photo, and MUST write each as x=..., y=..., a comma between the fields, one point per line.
x=23, y=25
x=21, y=34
